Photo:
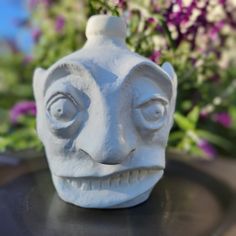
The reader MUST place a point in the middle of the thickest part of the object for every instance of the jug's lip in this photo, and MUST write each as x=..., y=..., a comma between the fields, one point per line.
x=106, y=25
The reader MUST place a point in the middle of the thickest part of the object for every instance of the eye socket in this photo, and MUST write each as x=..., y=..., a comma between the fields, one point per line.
x=151, y=114
x=62, y=107
x=152, y=111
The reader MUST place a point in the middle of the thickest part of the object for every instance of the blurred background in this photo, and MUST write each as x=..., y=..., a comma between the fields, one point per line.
x=197, y=36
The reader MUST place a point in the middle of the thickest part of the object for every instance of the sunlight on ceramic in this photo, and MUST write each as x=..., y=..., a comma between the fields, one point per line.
x=104, y=114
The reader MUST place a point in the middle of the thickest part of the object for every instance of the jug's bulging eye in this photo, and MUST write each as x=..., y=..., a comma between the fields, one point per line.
x=152, y=112
x=150, y=115
x=62, y=108
x=65, y=114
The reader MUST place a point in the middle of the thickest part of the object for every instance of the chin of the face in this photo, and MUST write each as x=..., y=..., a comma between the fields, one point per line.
x=119, y=190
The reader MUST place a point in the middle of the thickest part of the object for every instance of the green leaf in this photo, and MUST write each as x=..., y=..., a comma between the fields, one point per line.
x=4, y=142
x=193, y=115
x=215, y=139
x=195, y=150
x=185, y=144
x=183, y=122
x=175, y=136
x=232, y=112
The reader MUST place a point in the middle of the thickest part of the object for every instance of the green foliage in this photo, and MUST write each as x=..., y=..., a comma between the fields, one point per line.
x=21, y=137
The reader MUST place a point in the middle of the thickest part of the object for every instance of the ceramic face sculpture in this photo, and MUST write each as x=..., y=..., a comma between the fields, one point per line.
x=104, y=114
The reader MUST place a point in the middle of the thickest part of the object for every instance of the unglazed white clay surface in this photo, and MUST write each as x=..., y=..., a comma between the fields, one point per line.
x=104, y=114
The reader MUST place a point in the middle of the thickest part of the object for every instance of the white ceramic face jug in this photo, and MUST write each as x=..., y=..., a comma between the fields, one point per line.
x=104, y=114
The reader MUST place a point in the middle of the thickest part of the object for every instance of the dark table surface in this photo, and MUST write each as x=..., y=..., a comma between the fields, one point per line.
x=194, y=197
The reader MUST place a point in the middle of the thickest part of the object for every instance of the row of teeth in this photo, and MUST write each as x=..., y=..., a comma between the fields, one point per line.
x=128, y=177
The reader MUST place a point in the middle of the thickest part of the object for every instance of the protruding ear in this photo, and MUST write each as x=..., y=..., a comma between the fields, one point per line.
x=168, y=68
x=39, y=79
x=152, y=71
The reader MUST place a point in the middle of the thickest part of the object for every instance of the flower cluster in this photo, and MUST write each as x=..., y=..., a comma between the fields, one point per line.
x=207, y=148
x=189, y=20
x=21, y=109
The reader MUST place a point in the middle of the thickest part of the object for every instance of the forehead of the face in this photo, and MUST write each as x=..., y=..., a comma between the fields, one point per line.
x=107, y=77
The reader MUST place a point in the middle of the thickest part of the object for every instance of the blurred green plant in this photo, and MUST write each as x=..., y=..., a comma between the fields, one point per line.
x=197, y=37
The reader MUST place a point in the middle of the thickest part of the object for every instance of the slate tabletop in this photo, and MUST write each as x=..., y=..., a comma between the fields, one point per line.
x=194, y=198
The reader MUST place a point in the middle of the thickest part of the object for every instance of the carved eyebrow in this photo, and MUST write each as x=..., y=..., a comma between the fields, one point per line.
x=63, y=89
x=60, y=71
x=59, y=95
x=140, y=101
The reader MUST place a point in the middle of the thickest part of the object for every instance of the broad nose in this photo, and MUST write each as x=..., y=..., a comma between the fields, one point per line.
x=113, y=147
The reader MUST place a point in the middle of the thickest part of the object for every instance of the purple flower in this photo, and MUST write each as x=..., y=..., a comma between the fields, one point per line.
x=59, y=23
x=215, y=29
x=222, y=2
x=36, y=34
x=175, y=18
x=22, y=108
x=223, y=118
x=182, y=15
x=27, y=59
x=159, y=28
x=179, y=2
x=214, y=78
x=120, y=3
x=207, y=148
x=150, y=20
x=155, y=56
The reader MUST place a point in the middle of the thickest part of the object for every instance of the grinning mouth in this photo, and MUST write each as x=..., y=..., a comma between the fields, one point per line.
x=116, y=180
